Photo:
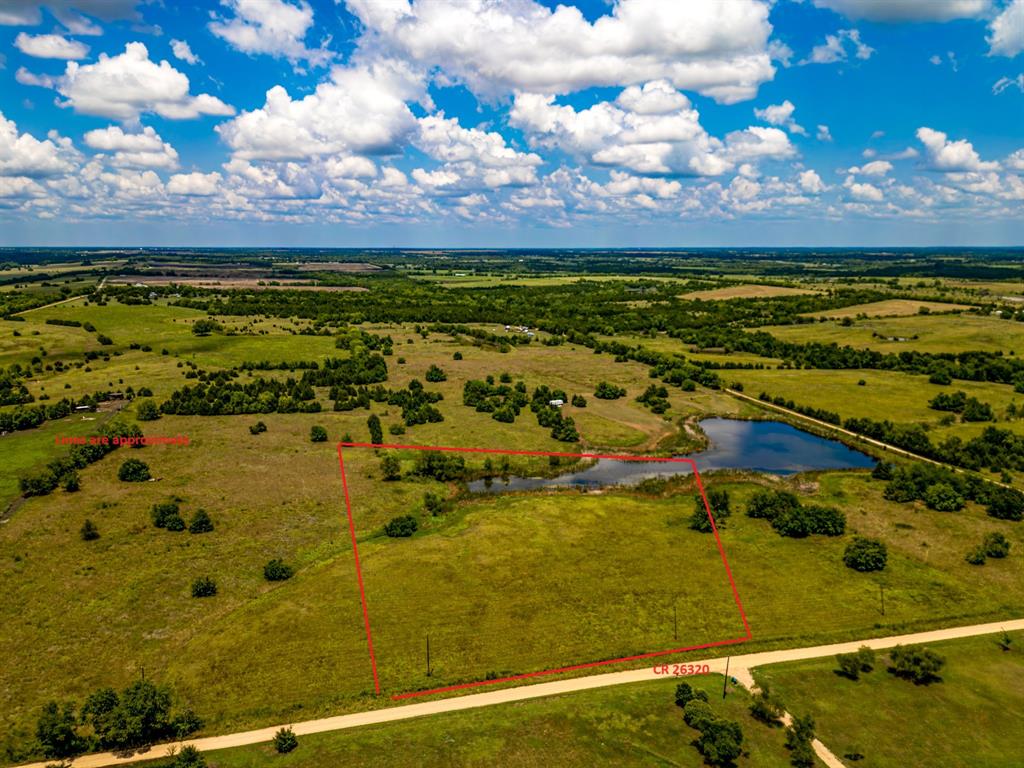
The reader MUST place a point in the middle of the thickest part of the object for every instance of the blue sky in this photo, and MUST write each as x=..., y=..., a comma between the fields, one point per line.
x=515, y=123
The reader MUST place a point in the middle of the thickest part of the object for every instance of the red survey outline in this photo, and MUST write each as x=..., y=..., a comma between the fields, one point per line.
x=542, y=672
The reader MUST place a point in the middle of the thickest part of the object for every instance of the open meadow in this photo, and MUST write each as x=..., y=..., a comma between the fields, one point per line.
x=972, y=718
x=500, y=584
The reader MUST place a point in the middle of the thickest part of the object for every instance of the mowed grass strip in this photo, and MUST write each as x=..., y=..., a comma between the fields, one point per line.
x=974, y=718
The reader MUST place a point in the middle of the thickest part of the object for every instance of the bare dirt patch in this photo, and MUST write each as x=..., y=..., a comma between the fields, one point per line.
x=746, y=291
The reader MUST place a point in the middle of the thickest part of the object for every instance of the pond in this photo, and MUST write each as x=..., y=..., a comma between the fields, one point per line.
x=758, y=446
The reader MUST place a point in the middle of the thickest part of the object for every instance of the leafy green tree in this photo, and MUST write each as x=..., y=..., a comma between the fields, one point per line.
x=942, y=497
x=976, y=556
x=56, y=732
x=685, y=693
x=133, y=471
x=799, y=736
x=916, y=663
x=390, y=467
x=770, y=504
x=71, y=481
x=376, y=433
x=698, y=713
x=204, y=586
x=882, y=471
x=1006, y=504
x=765, y=708
x=162, y=512
x=720, y=742
x=175, y=523
x=579, y=401
x=457, y=356
x=285, y=741
x=277, y=570
x=201, y=522
x=608, y=391
x=186, y=723
x=864, y=554
x=89, y=531
x=996, y=545
x=718, y=501
x=435, y=374
x=205, y=326
x=433, y=503
x=146, y=410
x=401, y=527
x=317, y=434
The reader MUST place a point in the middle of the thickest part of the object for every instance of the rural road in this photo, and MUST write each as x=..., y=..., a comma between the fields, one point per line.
x=869, y=440
x=739, y=667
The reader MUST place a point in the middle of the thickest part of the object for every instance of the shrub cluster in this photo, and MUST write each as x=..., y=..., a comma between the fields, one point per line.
x=791, y=518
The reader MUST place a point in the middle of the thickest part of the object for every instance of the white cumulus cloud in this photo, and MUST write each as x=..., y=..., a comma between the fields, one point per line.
x=720, y=49
x=781, y=114
x=125, y=86
x=360, y=110
x=25, y=155
x=194, y=184
x=1007, y=30
x=273, y=27
x=182, y=50
x=836, y=48
x=50, y=46
x=946, y=155
x=133, y=150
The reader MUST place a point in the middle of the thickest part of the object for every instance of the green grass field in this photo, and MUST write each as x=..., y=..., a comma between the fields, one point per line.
x=934, y=333
x=972, y=719
x=501, y=584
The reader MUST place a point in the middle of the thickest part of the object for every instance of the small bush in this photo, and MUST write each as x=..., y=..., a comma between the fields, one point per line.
x=161, y=513
x=996, y=545
x=204, y=586
x=863, y=554
x=146, y=410
x=976, y=556
x=277, y=570
x=400, y=527
x=89, y=531
x=942, y=497
x=685, y=693
x=457, y=356
x=285, y=741
x=317, y=434
x=435, y=374
x=201, y=522
x=917, y=664
x=698, y=713
x=257, y=428
x=188, y=757
x=607, y=391
x=133, y=471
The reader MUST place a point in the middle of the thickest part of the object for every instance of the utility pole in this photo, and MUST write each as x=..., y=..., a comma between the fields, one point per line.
x=428, y=655
x=725, y=682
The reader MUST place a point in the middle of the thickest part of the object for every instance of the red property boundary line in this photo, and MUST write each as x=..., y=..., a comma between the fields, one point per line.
x=542, y=672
